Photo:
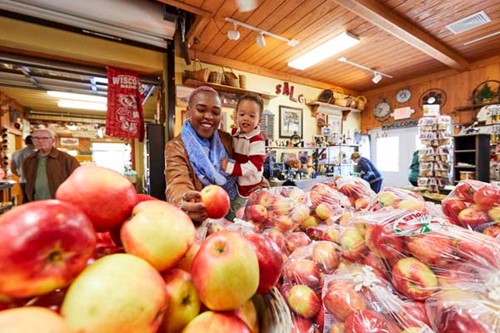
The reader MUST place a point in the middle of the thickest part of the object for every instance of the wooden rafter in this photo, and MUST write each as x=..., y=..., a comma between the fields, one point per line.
x=387, y=20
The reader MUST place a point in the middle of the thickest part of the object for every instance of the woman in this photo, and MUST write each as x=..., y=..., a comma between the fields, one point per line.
x=414, y=169
x=193, y=158
x=368, y=171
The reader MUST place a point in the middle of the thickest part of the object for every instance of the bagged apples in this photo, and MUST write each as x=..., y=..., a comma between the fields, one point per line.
x=397, y=199
x=472, y=204
x=357, y=190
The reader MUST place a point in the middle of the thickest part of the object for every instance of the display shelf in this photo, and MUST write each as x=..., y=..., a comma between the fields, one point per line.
x=330, y=109
x=7, y=200
x=472, y=149
x=230, y=89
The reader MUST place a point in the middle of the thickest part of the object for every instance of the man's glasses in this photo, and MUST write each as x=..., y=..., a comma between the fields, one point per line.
x=41, y=138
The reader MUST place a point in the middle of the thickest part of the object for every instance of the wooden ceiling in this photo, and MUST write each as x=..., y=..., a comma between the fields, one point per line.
x=405, y=39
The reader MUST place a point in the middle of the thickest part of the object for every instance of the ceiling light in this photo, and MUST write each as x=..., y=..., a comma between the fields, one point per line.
x=333, y=46
x=290, y=42
x=261, y=41
x=233, y=34
x=376, y=77
x=246, y=5
x=77, y=97
x=82, y=105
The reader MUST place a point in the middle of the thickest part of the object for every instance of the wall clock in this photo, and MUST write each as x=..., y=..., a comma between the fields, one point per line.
x=382, y=110
x=432, y=97
x=403, y=95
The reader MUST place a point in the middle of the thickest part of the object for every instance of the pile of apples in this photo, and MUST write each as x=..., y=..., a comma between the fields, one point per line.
x=473, y=204
x=102, y=258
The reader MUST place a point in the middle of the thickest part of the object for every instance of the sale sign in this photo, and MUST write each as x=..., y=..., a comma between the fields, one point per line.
x=125, y=117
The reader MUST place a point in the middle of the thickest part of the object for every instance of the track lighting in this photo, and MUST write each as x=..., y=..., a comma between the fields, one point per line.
x=261, y=41
x=233, y=34
x=260, y=37
x=377, y=76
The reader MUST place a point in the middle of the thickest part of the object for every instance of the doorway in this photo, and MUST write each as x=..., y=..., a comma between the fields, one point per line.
x=392, y=152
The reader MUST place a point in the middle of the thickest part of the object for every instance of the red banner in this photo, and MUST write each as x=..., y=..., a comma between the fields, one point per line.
x=125, y=118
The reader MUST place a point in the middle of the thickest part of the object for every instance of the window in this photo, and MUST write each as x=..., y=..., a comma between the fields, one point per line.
x=388, y=154
x=115, y=156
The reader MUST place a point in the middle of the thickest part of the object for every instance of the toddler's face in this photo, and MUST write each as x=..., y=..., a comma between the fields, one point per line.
x=248, y=116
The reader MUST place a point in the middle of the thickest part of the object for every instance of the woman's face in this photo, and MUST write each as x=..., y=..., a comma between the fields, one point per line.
x=205, y=113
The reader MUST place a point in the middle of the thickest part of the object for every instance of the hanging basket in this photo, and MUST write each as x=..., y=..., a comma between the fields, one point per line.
x=200, y=74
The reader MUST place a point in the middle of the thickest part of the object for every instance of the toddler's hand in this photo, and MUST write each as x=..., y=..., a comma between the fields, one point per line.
x=223, y=163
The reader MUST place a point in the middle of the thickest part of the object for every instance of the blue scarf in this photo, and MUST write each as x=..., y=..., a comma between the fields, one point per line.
x=205, y=158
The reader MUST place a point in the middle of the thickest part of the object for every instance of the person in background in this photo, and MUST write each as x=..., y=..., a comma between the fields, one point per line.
x=414, y=169
x=48, y=168
x=193, y=158
x=249, y=149
x=17, y=163
x=368, y=171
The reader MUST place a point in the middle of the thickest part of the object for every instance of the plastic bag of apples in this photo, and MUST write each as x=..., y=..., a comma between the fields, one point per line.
x=356, y=189
x=472, y=204
x=357, y=299
x=282, y=207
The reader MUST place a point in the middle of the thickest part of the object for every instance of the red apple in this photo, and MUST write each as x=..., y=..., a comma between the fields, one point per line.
x=325, y=255
x=302, y=271
x=283, y=223
x=465, y=190
x=278, y=237
x=216, y=322
x=479, y=249
x=487, y=197
x=378, y=265
x=106, y=196
x=493, y=231
x=144, y=197
x=341, y=300
x=456, y=274
x=473, y=217
x=94, y=303
x=452, y=207
x=383, y=241
x=183, y=304
x=32, y=319
x=413, y=314
x=452, y=320
x=225, y=271
x=295, y=240
x=270, y=261
x=494, y=213
x=360, y=203
x=283, y=206
x=158, y=232
x=45, y=245
x=433, y=248
x=353, y=246
x=363, y=321
x=265, y=198
x=256, y=213
x=303, y=301
x=301, y=325
x=187, y=261
x=216, y=201
x=413, y=279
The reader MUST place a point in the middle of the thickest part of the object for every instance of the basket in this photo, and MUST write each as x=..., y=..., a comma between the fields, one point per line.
x=198, y=74
x=274, y=314
x=229, y=78
x=326, y=96
x=215, y=77
x=338, y=96
x=360, y=105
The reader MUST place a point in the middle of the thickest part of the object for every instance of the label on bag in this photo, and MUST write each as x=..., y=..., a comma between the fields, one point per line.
x=416, y=223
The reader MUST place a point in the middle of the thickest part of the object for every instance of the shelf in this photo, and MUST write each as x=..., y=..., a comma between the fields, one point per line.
x=465, y=167
x=465, y=151
x=472, y=107
x=221, y=87
x=330, y=109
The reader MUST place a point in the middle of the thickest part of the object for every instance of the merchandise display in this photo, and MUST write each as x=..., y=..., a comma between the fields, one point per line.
x=335, y=255
x=435, y=134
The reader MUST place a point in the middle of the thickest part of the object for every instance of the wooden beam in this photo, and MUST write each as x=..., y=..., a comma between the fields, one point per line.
x=387, y=20
x=200, y=22
x=216, y=60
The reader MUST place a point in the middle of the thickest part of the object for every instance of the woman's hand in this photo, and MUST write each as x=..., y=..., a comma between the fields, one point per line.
x=191, y=204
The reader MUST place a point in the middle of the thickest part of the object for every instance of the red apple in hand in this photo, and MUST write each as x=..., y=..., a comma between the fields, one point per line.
x=158, y=232
x=216, y=201
x=225, y=271
x=45, y=245
x=413, y=279
x=216, y=322
x=183, y=304
x=270, y=261
x=106, y=196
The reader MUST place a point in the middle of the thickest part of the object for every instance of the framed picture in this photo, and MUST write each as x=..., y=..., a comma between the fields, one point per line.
x=290, y=121
x=335, y=123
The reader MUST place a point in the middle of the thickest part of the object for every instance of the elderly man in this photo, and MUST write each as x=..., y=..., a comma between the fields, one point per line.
x=46, y=170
